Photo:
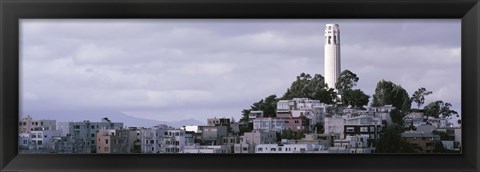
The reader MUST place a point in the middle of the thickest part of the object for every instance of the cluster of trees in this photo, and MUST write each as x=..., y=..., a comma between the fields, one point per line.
x=386, y=93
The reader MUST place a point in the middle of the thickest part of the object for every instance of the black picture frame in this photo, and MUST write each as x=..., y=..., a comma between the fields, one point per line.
x=13, y=10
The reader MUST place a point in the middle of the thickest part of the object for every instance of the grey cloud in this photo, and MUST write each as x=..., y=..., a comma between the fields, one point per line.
x=197, y=68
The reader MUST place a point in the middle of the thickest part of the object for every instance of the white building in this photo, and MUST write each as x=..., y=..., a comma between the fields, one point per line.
x=290, y=148
x=255, y=114
x=382, y=112
x=162, y=139
x=352, y=144
x=39, y=138
x=250, y=139
x=192, y=128
x=268, y=124
x=334, y=124
x=218, y=149
x=332, y=54
x=311, y=109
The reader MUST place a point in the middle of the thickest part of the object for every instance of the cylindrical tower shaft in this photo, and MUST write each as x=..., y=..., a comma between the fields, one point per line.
x=332, y=54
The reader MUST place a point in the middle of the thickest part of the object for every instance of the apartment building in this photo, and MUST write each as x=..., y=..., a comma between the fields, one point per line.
x=116, y=140
x=27, y=124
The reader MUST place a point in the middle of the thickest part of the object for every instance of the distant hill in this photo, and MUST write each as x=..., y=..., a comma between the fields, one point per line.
x=95, y=116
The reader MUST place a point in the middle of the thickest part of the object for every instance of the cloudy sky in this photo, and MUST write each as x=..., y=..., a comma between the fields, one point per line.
x=180, y=69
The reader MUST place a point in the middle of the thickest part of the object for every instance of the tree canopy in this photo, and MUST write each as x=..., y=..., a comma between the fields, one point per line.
x=355, y=98
x=419, y=96
x=392, y=142
x=347, y=80
x=310, y=87
x=388, y=93
x=437, y=108
x=267, y=105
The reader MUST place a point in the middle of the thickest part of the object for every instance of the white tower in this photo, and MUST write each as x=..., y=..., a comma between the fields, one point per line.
x=332, y=54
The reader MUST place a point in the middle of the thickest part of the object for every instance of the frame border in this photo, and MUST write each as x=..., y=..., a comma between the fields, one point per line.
x=13, y=10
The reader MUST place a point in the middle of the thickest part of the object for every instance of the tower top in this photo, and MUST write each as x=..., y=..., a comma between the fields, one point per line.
x=332, y=34
x=331, y=27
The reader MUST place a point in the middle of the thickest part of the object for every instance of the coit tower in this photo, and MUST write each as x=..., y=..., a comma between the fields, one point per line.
x=332, y=54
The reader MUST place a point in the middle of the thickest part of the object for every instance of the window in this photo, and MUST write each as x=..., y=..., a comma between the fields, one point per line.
x=363, y=129
x=296, y=121
x=93, y=135
x=260, y=149
x=177, y=143
x=106, y=149
x=245, y=149
x=106, y=141
x=273, y=149
x=350, y=129
x=39, y=142
x=92, y=127
x=372, y=129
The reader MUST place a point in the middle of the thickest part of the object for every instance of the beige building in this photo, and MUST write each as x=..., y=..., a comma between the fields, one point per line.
x=116, y=140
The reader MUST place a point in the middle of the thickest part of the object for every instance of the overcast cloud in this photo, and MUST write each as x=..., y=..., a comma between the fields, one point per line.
x=179, y=69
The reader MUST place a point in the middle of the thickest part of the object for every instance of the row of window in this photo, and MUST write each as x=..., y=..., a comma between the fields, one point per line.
x=280, y=149
x=25, y=123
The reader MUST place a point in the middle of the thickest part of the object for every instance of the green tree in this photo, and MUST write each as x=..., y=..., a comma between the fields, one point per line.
x=392, y=142
x=355, y=98
x=310, y=87
x=347, y=80
x=439, y=148
x=388, y=93
x=326, y=96
x=437, y=108
x=397, y=117
x=419, y=96
x=267, y=105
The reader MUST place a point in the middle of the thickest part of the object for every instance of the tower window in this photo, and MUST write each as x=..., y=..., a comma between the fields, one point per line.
x=329, y=38
x=334, y=39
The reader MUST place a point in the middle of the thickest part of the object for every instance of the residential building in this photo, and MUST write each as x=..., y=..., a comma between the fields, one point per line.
x=116, y=140
x=296, y=124
x=326, y=140
x=218, y=149
x=40, y=137
x=85, y=132
x=213, y=135
x=250, y=139
x=352, y=144
x=363, y=125
x=290, y=148
x=269, y=124
x=422, y=142
x=255, y=114
x=27, y=124
x=218, y=121
x=334, y=124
